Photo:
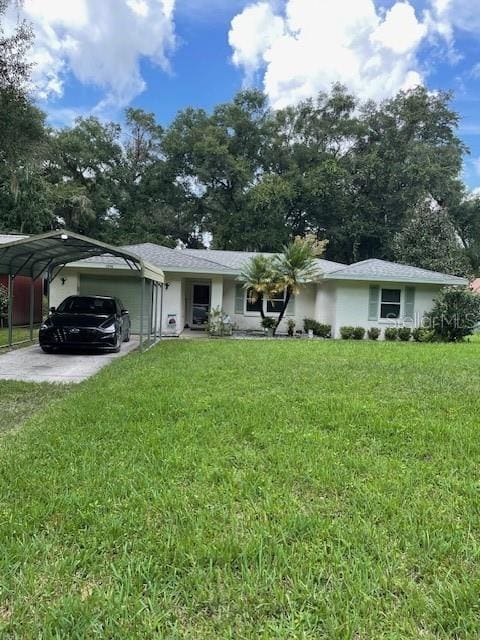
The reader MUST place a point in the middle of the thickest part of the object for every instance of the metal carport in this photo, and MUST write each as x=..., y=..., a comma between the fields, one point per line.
x=46, y=254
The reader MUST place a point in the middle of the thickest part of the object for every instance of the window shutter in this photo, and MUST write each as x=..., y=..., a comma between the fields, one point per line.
x=409, y=303
x=373, y=302
x=290, y=310
x=239, y=298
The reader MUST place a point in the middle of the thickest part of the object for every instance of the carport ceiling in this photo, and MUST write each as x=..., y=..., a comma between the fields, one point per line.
x=47, y=252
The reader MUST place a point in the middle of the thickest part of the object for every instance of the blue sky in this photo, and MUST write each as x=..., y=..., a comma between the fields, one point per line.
x=164, y=55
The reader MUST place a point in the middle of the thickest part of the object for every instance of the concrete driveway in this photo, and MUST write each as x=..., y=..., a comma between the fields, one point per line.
x=32, y=365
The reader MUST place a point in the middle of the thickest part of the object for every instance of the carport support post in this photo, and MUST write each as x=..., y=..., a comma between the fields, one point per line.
x=150, y=314
x=10, y=309
x=161, y=310
x=142, y=299
x=32, y=305
x=155, y=329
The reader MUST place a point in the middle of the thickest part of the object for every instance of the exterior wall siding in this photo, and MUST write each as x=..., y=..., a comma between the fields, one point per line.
x=337, y=303
x=173, y=305
x=352, y=304
x=70, y=287
x=304, y=308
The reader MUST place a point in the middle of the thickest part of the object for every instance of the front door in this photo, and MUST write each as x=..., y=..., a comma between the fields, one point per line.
x=200, y=304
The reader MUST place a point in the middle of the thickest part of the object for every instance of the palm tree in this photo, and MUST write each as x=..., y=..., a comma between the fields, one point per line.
x=258, y=278
x=295, y=267
x=287, y=272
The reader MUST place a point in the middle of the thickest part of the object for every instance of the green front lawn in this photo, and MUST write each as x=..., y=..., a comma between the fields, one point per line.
x=20, y=400
x=249, y=489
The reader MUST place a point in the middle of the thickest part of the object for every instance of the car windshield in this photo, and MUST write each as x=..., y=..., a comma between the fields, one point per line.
x=84, y=304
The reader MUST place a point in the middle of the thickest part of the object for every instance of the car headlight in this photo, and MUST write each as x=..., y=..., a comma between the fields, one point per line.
x=44, y=325
x=110, y=329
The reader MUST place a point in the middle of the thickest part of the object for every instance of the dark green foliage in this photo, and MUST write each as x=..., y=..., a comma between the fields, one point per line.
x=404, y=334
x=358, y=333
x=319, y=329
x=3, y=304
x=422, y=334
x=253, y=177
x=391, y=333
x=374, y=333
x=269, y=322
x=429, y=240
x=347, y=332
x=455, y=314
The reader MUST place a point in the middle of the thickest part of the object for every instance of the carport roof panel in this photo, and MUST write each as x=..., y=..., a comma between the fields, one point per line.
x=33, y=255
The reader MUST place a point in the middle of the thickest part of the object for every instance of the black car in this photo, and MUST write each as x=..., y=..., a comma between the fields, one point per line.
x=86, y=322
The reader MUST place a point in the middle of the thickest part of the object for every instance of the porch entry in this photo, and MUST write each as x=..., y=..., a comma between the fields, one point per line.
x=200, y=304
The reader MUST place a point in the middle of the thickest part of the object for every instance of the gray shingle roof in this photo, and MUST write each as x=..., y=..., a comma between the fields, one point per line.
x=231, y=262
x=199, y=260
x=176, y=258
x=237, y=259
x=374, y=269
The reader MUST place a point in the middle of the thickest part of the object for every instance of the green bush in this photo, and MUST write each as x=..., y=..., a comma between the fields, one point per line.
x=291, y=327
x=358, y=333
x=319, y=329
x=455, y=314
x=3, y=304
x=391, y=333
x=374, y=333
x=347, y=332
x=404, y=334
x=420, y=334
x=269, y=322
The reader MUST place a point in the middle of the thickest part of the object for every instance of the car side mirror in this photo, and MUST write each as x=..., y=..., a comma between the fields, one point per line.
x=124, y=312
x=52, y=309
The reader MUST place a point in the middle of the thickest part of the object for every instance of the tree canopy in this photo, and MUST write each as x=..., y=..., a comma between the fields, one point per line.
x=245, y=176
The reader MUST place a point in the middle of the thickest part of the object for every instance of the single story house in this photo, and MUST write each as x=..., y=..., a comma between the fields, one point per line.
x=21, y=292
x=371, y=293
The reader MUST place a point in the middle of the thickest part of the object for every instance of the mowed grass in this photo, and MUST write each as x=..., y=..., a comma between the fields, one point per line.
x=250, y=489
x=20, y=400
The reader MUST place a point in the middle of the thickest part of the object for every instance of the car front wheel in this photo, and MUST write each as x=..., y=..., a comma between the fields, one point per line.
x=46, y=349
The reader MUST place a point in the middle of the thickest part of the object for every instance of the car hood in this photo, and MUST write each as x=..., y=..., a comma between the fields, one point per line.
x=79, y=320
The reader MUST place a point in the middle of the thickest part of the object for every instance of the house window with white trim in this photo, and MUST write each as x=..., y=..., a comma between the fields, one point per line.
x=390, y=303
x=254, y=301
x=275, y=302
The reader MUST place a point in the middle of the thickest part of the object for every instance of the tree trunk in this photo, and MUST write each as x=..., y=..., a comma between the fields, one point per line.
x=288, y=295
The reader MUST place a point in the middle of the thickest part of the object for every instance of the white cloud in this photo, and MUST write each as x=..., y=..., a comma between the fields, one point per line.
x=314, y=44
x=266, y=26
x=400, y=31
x=461, y=14
x=101, y=42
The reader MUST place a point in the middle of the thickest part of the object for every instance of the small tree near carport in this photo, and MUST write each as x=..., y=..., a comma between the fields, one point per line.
x=287, y=272
x=3, y=304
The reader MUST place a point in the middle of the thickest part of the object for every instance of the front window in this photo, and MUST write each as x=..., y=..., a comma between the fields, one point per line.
x=254, y=301
x=275, y=303
x=390, y=304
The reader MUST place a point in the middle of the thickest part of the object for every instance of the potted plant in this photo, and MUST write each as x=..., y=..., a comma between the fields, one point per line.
x=291, y=327
x=269, y=325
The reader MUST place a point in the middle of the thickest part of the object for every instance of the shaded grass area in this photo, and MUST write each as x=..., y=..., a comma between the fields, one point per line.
x=21, y=400
x=243, y=489
x=19, y=334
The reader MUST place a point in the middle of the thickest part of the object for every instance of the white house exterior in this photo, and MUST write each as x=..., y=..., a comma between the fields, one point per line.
x=369, y=293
